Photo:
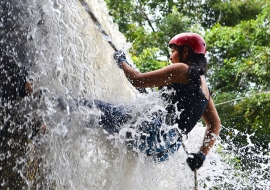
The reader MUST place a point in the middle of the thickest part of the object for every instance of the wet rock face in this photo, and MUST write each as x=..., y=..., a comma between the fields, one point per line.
x=14, y=150
x=13, y=79
x=14, y=52
x=16, y=129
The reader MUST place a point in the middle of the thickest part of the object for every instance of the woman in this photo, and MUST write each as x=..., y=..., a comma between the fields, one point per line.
x=183, y=88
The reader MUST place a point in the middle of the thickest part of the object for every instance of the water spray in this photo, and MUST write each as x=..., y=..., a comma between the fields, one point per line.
x=95, y=20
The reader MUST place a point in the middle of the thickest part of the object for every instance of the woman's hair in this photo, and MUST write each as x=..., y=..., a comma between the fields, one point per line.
x=197, y=65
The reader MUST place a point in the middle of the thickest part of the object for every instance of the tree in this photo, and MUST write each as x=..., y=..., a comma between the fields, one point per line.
x=240, y=71
x=230, y=12
x=239, y=55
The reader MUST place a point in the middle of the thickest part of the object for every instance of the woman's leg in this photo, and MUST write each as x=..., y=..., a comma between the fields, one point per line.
x=112, y=116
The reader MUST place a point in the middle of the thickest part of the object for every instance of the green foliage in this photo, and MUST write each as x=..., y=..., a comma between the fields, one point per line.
x=245, y=131
x=152, y=24
x=239, y=56
x=231, y=12
x=146, y=29
x=249, y=115
x=147, y=60
x=173, y=24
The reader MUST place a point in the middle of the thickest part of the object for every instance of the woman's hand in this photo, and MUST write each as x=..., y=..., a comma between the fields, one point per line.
x=119, y=57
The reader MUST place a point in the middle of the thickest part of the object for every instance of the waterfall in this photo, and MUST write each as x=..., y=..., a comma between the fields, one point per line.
x=68, y=58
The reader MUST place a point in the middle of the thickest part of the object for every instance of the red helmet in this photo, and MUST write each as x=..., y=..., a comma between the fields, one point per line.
x=195, y=41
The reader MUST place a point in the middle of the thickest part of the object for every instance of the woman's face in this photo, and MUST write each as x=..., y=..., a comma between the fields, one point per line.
x=174, y=55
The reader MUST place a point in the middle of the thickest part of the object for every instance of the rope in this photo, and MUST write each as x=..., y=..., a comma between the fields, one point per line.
x=265, y=92
x=95, y=20
x=195, y=171
x=195, y=180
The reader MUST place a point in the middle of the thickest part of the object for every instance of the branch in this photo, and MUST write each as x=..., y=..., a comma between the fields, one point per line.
x=144, y=15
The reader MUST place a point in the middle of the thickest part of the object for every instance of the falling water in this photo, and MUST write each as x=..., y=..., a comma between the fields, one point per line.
x=68, y=58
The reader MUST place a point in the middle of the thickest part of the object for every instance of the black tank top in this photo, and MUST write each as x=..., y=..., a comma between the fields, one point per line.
x=185, y=105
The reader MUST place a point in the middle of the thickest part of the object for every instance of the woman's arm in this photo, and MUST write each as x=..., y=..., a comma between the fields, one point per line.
x=177, y=72
x=212, y=120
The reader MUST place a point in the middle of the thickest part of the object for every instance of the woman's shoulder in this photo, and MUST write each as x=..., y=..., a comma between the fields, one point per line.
x=177, y=72
x=178, y=66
